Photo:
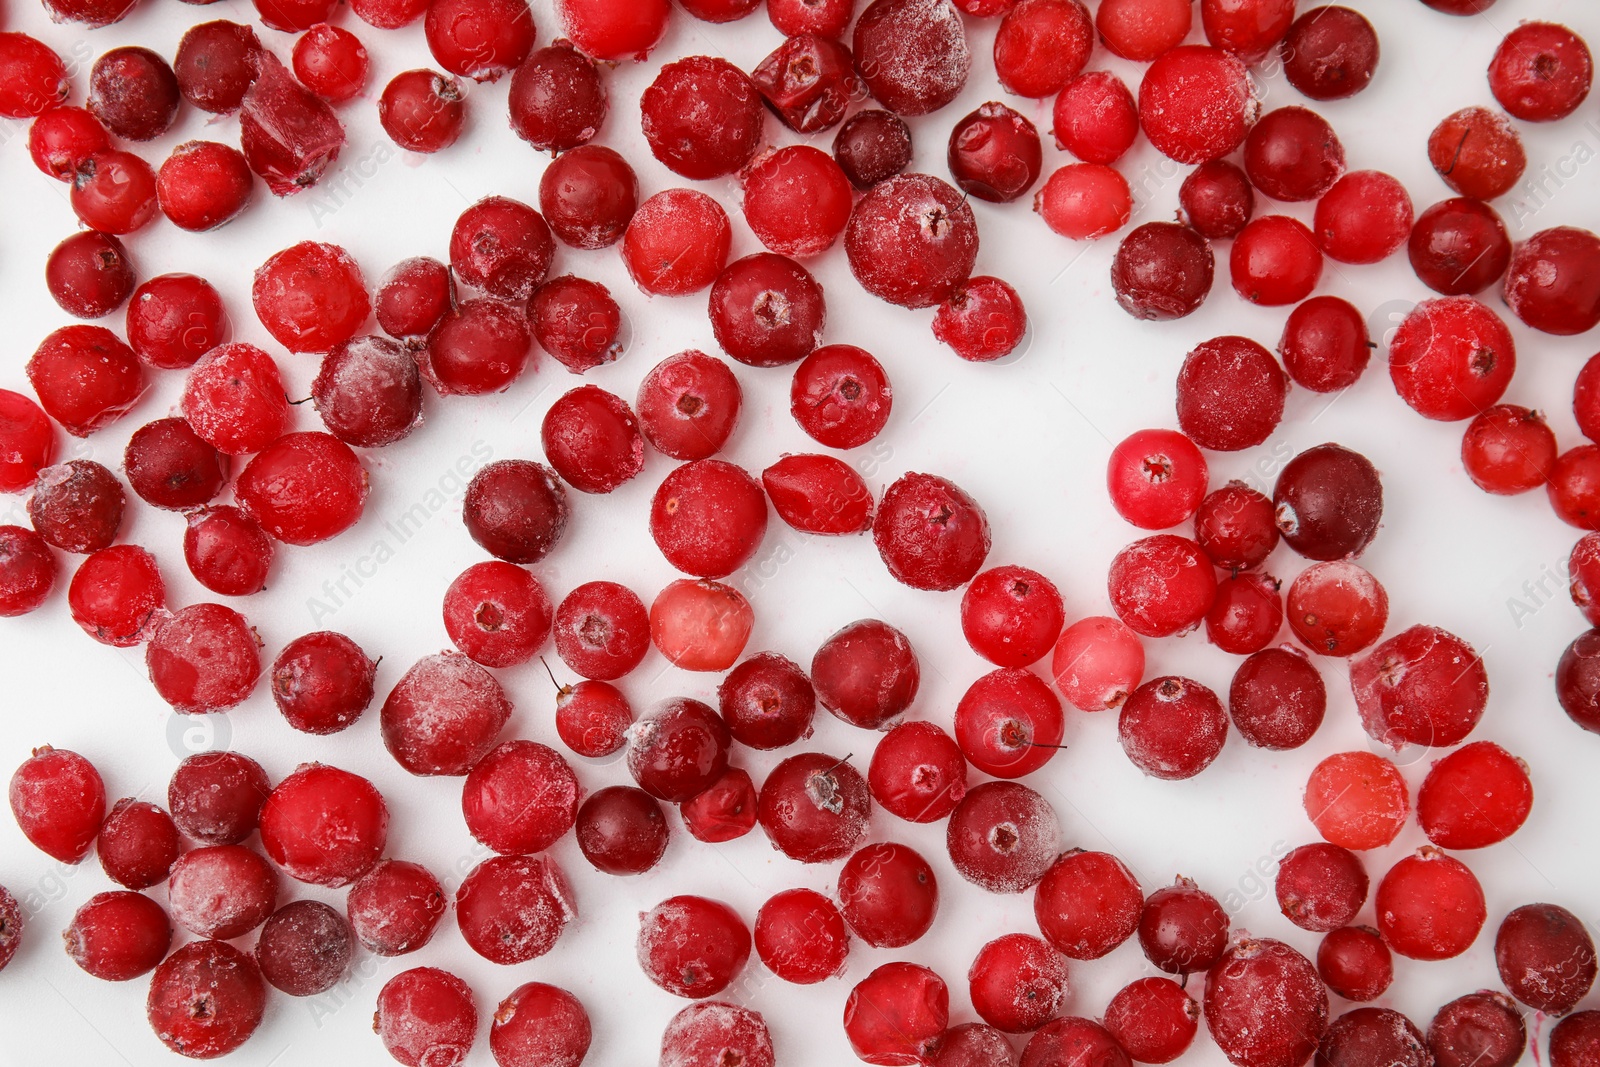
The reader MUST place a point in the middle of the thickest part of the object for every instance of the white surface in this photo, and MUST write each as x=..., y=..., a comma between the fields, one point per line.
x=1028, y=439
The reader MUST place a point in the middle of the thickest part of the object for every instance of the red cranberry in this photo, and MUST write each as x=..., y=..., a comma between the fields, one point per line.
x=202, y=185
x=814, y=808
x=1293, y=154
x=1275, y=261
x=215, y=65
x=59, y=802
x=521, y=797
x=1009, y=723
x=27, y=571
x=89, y=274
x=974, y=1045
x=169, y=466
x=216, y=797
x=930, y=533
x=1018, y=983
x=1364, y=218
x=557, y=99
x=516, y=510
x=1355, y=963
x=512, y=909
x=621, y=830
x=1264, y=1004
x=818, y=494
x=588, y=196
x=1084, y=201
x=479, y=39
x=304, y=949
x=801, y=937
x=324, y=826
x=1553, y=283
x=27, y=441
x=222, y=891
x=767, y=702
x=116, y=595
x=293, y=16
x=1321, y=887
x=896, y=1014
x=592, y=718
x=1478, y=153
x=1357, y=800
x=808, y=82
x=310, y=296
x=32, y=77
x=1572, y=486
x=118, y=936
x=1161, y=585
x=304, y=488
x=607, y=32
x=1246, y=614
x=1235, y=527
x=1142, y=30
x=85, y=378
x=995, y=153
x=1545, y=957
x=412, y=297
x=395, y=908
x=1508, y=449
x=1366, y=1035
x=872, y=146
x=290, y=136
x=62, y=138
x=676, y=243
x=322, y=682
x=204, y=658
x=1172, y=728
x=1074, y=1039
x=1424, y=686
x=1459, y=247
x=1585, y=583
x=1002, y=836
x=1541, y=72
x=679, y=749
x=443, y=715
x=866, y=674
x=1087, y=904
x=691, y=946
x=540, y=1025
x=1337, y=608
x=1183, y=929
x=797, y=200
x=1575, y=1039
x=497, y=614
x=1196, y=103
x=912, y=239
x=77, y=506
x=234, y=399
x=841, y=396
x=708, y=518
x=368, y=392
x=1095, y=117
x=174, y=319
x=331, y=62
x=1162, y=271
x=592, y=439
x=1329, y=502
x=700, y=625
x=1011, y=616
x=1217, y=199
x=206, y=999
x=501, y=246
x=602, y=630
x=1478, y=1030
x=1277, y=699
x=426, y=1018
x=1479, y=795
x=983, y=320
x=1041, y=45
x=227, y=551
x=134, y=93
x=577, y=321
x=422, y=110
x=1330, y=53
x=918, y=773
x=1153, y=1020
x=912, y=54
x=1325, y=344
x=723, y=811
x=767, y=310
x=1430, y=906
x=888, y=895
x=1230, y=395
x=826, y=17
x=702, y=117
x=481, y=346
x=1451, y=358
x=688, y=405
x=1247, y=28
x=716, y=1032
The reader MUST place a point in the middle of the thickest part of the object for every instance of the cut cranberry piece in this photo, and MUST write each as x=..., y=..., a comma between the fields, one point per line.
x=1003, y=836
x=700, y=625
x=801, y=937
x=234, y=399
x=1541, y=72
x=1183, y=929
x=59, y=802
x=304, y=949
x=622, y=831
x=290, y=136
x=692, y=946
x=425, y=1016
x=206, y=999
x=808, y=82
x=1430, y=906
x=174, y=319
x=368, y=392
x=912, y=239
x=1265, y=1004
x=1357, y=800
x=896, y=1014
x=872, y=146
x=216, y=797
x=1162, y=270
x=322, y=682
x=85, y=378
x=814, y=808
x=116, y=595
x=443, y=715
x=540, y=1025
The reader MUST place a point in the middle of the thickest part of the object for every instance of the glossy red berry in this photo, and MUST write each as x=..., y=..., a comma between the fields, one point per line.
x=322, y=682
x=1196, y=103
x=216, y=797
x=801, y=937
x=700, y=625
x=520, y=798
x=1161, y=585
x=222, y=891
x=1329, y=502
x=1545, y=957
x=1087, y=904
x=1541, y=72
x=1003, y=836
x=872, y=146
x=917, y=773
x=1275, y=261
x=422, y=110
x=621, y=830
x=1264, y=1004
x=426, y=1016
x=497, y=614
x=930, y=533
x=1172, y=728
x=1430, y=906
x=77, y=506
x=1330, y=53
x=692, y=946
x=444, y=715
x=896, y=1014
x=1478, y=153
x=27, y=571
x=676, y=243
x=1552, y=282
x=538, y=1025
x=59, y=802
x=206, y=999
x=1355, y=963
x=814, y=808
x=118, y=936
x=324, y=826
x=1217, y=199
x=1182, y=928
x=1357, y=800
x=1277, y=699
x=85, y=378
x=1161, y=271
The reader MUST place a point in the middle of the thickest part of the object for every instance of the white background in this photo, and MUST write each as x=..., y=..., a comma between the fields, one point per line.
x=1029, y=439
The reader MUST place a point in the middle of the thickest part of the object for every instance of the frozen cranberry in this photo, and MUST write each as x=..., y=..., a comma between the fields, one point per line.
x=521, y=797
x=825, y=17
x=293, y=16
x=1329, y=502
x=872, y=146
x=32, y=77
x=27, y=571
x=814, y=808
x=1172, y=728
x=983, y=320
x=1572, y=484
x=702, y=117
x=227, y=551
x=691, y=946
x=1337, y=608
x=912, y=54
x=1275, y=261
x=512, y=909
x=331, y=62
x=1430, y=906
x=1153, y=1020
x=1009, y=723
x=1072, y=1040
x=169, y=466
x=59, y=802
x=896, y=1014
x=1477, y=152
x=716, y=1032
x=1265, y=1005
x=767, y=702
x=1459, y=247
x=808, y=82
x=1042, y=45
x=930, y=533
x=304, y=488
x=481, y=346
x=1478, y=1030
x=304, y=948
x=866, y=674
x=577, y=321
x=216, y=797
x=557, y=99
x=479, y=39
x=888, y=895
x=1235, y=527
x=1182, y=928
x=501, y=246
x=1002, y=836
x=801, y=937
x=688, y=405
x=1575, y=1039
x=1230, y=395
x=516, y=510
x=1479, y=795
x=443, y=715
x=708, y=518
x=818, y=494
x=27, y=441
x=1355, y=963
x=602, y=630
x=1095, y=117
x=592, y=718
x=841, y=396
x=206, y=999
x=1320, y=887
x=797, y=201
x=1368, y=1035
x=134, y=93
x=1330, y=53
x=1246, y=28
x=1364, y=218
x=1018, y=983
x=368, y=392
x=1162, y=271
x=1196, y=103
x=767, y=310
x=290, y=136
x=912, y=239
x=89, y=274
x=174, y=319
x=310, y=296
x=202, y=185
x=1545, y=957
x=609, y=32
x=222, y=891
x=1277, y=699
x=426, y=1018
x=1584, y=567
x=498, y=614
x=1424, y=686
x=1293, y=154
x=723, y=811
x=215, y=65
x=700, y=625
x=1011, y=616
x=1217, y=199
x=1553, y=283
x=422, y=110
x=1357, y=800
x=1508, y=449
x=1161, y=585
x=322, y=682
x=540, y=1025
x=62, y=138
x=678, y=750
x=995, y=153
x=1325, y=344
x=676, y=243
x=85, y=378
x=621, y=830
x=412, y=297
x=1087, y=904
x=1246, y=614
x=118, y=936
x=204, y=658
x=588, y=196
x=918, y=773
x=592, y=439
x=76, y=506
x=1541, y=72
x=1084, y=201
x=116, y=595
x=1141, y=30
x=395, y=908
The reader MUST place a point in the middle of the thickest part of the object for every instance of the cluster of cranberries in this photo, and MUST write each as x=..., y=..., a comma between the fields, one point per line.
x=469, y=327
